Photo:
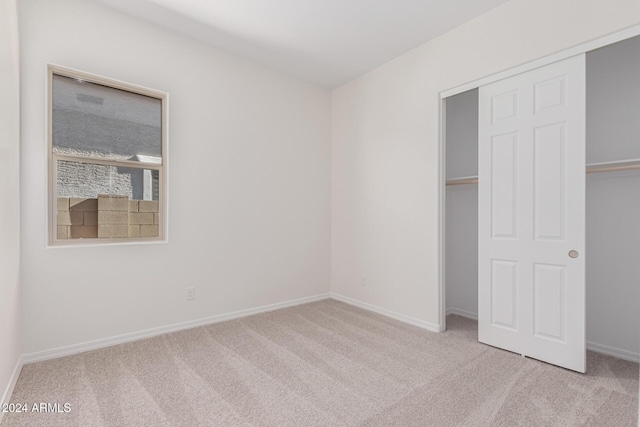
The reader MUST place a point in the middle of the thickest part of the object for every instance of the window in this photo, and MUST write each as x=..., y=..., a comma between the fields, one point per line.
x=107, y=156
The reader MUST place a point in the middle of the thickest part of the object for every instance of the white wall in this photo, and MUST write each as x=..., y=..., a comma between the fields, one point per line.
x=10, y=347
x=461, y=201
x=613, y=106
x=613, y=199
x=246, y=144
x=613, y=288
x=461, y=133
x=461, y=256
x=385, y=143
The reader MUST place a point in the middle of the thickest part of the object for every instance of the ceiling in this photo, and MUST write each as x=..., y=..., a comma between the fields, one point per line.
x=326, y=42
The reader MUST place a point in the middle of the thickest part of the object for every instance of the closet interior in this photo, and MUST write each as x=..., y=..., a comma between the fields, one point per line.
x=612, y=201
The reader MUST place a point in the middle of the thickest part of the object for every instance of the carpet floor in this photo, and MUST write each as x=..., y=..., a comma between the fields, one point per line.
x=322, y=364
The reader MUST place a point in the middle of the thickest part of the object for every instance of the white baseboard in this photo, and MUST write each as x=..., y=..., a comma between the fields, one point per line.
x=120, y=339
x=613, y=351
x=6, y=397
x=592, y=346
x=392, y=314
x=463, y=313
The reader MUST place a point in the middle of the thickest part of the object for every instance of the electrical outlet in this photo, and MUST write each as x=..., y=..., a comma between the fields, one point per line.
x=363, y=281
x=191, y=293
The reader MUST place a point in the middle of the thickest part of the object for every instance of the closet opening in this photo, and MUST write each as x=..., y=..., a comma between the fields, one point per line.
x=612, y=193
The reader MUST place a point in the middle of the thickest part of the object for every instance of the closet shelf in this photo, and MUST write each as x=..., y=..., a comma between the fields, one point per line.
x=621, y=165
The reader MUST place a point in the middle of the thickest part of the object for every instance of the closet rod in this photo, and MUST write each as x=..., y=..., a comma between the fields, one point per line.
x=613, y=167
x=595, y=168
x=461, y=181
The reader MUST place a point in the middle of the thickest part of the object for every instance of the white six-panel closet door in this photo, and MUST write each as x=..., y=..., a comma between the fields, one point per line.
x=531, y=207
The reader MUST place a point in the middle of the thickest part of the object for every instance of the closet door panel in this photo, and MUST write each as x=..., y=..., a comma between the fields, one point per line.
x=500, y=215
x=531, y=214
x=558, y=294
x=549, y=302
x=549, y=182
x=503, y=186
x=504, y=294
x=550, y=94
x=504, y=106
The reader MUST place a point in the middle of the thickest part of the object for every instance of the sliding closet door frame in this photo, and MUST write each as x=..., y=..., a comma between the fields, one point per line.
x=559, y=56
x=442, y=209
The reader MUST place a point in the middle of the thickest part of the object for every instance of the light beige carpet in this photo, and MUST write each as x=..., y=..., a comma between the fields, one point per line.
x=323, y=364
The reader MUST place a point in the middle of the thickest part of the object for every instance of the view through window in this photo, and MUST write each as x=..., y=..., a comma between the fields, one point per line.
x=107, y=147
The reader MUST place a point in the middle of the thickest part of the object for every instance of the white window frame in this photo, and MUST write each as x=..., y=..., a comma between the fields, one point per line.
x=152, y=163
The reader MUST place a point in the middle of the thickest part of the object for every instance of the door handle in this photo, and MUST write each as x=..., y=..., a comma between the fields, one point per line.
x=573, y=253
